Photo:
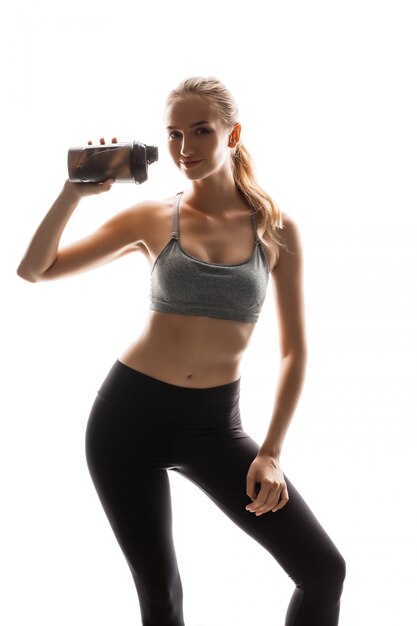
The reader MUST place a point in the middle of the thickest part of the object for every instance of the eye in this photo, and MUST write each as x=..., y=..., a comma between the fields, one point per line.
x=201, y=130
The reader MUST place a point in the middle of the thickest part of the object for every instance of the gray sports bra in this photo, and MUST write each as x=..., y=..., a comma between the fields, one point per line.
x=183, y=284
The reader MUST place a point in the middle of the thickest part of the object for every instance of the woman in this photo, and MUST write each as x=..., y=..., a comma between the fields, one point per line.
x=171, y=400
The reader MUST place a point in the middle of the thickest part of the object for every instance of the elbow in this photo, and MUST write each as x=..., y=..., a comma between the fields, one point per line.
x=296, y=363
x=297, y=355
x=26, y=275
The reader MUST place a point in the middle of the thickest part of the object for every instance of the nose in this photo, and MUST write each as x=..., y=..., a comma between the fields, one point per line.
x=187, y=148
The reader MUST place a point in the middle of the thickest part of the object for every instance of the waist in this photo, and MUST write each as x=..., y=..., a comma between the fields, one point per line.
x=189, y=351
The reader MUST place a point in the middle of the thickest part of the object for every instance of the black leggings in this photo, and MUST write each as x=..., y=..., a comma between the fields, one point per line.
x=138, y=428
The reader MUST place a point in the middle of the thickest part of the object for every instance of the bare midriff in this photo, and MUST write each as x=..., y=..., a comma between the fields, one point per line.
x=189, y=351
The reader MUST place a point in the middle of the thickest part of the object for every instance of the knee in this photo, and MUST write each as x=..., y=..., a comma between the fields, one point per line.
x=323, y=575
x=338, y=572
x=330, y=574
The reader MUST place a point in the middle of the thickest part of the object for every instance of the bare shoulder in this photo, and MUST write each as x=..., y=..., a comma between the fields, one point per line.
x=144, y=211
x=147, y=218
x=289, y=236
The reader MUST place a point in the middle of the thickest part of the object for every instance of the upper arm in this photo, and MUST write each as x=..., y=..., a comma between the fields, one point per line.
x=287, y=281
x=113, y=239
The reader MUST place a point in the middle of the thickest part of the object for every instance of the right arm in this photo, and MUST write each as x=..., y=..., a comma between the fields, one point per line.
x=117, y=236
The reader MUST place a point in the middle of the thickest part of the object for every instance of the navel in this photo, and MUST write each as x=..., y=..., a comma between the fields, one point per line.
x=189, y=375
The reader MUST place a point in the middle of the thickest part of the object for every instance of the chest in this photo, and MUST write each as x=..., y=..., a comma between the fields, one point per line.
x=210, y=239
x=216, y=241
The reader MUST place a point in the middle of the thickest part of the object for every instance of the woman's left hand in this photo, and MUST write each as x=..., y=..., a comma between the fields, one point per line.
x=273, y=493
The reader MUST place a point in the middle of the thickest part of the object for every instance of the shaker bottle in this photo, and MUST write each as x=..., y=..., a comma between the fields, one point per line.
x=125, y=162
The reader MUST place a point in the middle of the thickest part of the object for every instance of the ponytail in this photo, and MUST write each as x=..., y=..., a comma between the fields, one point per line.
x=269, y=217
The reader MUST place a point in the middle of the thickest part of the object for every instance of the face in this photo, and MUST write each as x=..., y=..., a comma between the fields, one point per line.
x=197, y=135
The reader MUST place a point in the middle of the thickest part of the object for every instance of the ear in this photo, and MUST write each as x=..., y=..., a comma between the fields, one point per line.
x=234, y=135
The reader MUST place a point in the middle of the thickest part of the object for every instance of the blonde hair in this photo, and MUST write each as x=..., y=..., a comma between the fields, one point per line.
x=269, y=217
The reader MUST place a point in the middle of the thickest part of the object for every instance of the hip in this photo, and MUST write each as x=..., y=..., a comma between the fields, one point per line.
x=155, y=400
x=138, y=420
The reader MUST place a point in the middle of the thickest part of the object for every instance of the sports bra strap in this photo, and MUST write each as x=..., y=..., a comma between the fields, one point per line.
x=175, y=218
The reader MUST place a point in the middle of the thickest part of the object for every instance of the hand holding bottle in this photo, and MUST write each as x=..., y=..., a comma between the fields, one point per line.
x=80, y=190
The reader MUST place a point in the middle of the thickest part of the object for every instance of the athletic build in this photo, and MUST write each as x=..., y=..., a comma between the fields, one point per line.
x=171, y=400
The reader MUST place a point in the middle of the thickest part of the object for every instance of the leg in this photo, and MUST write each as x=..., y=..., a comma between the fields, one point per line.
x=136, y=498
x=293, y=535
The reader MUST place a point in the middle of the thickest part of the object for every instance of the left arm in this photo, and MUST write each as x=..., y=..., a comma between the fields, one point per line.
x=287, y=278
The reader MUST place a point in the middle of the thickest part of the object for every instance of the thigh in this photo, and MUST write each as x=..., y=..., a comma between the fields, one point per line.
x=134, y=493
x=292, y=535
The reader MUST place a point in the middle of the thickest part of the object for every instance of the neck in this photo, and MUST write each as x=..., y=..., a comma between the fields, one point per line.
x=218, y=190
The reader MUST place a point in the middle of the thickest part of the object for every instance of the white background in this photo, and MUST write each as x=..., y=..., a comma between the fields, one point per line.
x=327, y=99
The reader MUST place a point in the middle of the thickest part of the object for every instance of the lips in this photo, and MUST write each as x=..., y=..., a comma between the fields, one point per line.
x=190, y=164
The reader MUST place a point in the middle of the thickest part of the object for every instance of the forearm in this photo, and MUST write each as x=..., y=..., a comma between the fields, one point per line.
x=289, y=386
x=43, y=248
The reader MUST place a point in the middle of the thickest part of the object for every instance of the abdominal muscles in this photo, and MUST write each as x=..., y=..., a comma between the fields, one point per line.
x=189, y=351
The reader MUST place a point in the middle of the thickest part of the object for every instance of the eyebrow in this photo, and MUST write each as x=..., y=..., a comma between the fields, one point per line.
x=191, y=125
